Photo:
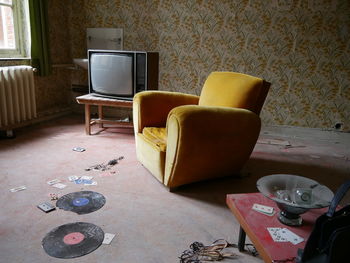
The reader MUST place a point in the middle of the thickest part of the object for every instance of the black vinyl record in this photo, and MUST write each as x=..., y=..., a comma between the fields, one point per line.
x=73, y=240
x=83, y=202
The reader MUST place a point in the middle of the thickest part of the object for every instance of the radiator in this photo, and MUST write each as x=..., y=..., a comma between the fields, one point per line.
x=17, y=96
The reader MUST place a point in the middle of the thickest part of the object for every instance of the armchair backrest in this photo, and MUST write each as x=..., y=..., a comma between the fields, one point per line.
x=230, y=89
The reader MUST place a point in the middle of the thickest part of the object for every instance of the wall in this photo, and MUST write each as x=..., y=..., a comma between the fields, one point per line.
x=301, y=46
x=54, y=91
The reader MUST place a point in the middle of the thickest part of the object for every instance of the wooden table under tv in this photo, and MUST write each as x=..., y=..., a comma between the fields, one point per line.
x=254, y=224
x=100, y=102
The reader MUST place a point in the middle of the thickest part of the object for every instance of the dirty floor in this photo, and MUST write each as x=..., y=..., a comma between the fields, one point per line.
x=151, y=224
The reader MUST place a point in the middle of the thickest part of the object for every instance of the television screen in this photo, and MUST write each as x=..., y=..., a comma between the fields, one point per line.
x=111, y=74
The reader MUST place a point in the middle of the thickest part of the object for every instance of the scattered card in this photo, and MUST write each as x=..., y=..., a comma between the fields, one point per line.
x=78, y=149
x=284, y=235
x=86, y=177
x=290, y=236
x=59, y=185
x=46, y=207
x=276, y=235
x=19, y=188
x=73, y=178
x=91, y=183
x=108, y=238
x=54, y=181
x=266, y=210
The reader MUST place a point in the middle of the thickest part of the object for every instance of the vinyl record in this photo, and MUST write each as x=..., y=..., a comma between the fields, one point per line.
x=73, y=240
x=83, y=202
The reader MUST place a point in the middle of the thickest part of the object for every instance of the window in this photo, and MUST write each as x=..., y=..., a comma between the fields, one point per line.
x=13, y=28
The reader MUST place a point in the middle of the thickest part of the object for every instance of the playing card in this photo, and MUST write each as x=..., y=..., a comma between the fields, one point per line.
x=276, y=235
x=267, y=210
x=91, y=183
x=108, y=238
x=59, y=186
x=54, y=181
x=19, y=188
x=86, y=177
x=73, y=178
x=290, y=236
x=79, y=149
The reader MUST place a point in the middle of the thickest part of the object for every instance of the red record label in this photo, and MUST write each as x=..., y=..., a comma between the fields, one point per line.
x=73, y=238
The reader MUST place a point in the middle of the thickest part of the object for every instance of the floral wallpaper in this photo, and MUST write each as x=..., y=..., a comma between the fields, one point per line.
x=301, y=46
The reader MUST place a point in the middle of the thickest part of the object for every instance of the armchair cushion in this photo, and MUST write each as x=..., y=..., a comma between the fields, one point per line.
x=156, y=136
x=231, y=89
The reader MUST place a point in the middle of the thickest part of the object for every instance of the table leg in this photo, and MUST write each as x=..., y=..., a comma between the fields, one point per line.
x=241, y=239
x=100, y=115
x=87, y=119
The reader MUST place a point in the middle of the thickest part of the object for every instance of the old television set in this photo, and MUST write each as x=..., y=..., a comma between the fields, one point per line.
x=121, y=74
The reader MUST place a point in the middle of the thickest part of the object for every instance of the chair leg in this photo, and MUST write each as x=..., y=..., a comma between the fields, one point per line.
x=173, y=189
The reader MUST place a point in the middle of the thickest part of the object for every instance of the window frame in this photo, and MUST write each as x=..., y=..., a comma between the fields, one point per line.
x=19, y=20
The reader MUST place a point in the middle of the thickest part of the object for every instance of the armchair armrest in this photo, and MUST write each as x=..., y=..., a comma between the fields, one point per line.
x=151, y=108
x=202, y=136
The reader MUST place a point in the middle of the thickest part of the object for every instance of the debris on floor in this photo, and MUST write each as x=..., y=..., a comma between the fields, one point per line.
x=274, y=142
x=108, y=238
x=59, y=185
x=46, y=207
x=19, y=188
x=78, y=149
x=294, y=146
x=73, y=178
x=215, y=252
x=104, y=167
x=53, y=196
x=315, y=156
x=54, y=181
x=107, y=173
x=85, y=182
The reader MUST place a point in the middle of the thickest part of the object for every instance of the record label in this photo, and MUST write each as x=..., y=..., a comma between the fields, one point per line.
x=82, y=202
x=73, y=240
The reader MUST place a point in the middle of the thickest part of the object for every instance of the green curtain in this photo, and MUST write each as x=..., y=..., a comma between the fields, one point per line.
x=39, y=36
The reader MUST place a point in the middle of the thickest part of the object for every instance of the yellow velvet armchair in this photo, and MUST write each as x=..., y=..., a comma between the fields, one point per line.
x=182, y=138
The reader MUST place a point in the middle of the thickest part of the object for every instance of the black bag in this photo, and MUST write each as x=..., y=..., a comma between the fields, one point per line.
x=330, y=237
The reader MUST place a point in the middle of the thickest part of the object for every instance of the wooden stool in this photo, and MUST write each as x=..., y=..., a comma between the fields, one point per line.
x=90, y=99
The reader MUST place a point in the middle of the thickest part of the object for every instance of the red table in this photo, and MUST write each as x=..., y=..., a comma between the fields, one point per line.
x=255, y=224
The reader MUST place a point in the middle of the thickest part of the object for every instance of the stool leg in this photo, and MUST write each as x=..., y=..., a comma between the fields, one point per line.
x=241, y=239
x=100, y=115
x=87, y=119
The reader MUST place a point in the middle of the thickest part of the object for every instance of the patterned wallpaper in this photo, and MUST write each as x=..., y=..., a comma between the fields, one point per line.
x=301, y=46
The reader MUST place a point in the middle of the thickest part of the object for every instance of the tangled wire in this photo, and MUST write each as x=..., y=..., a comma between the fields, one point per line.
x=215, y=252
